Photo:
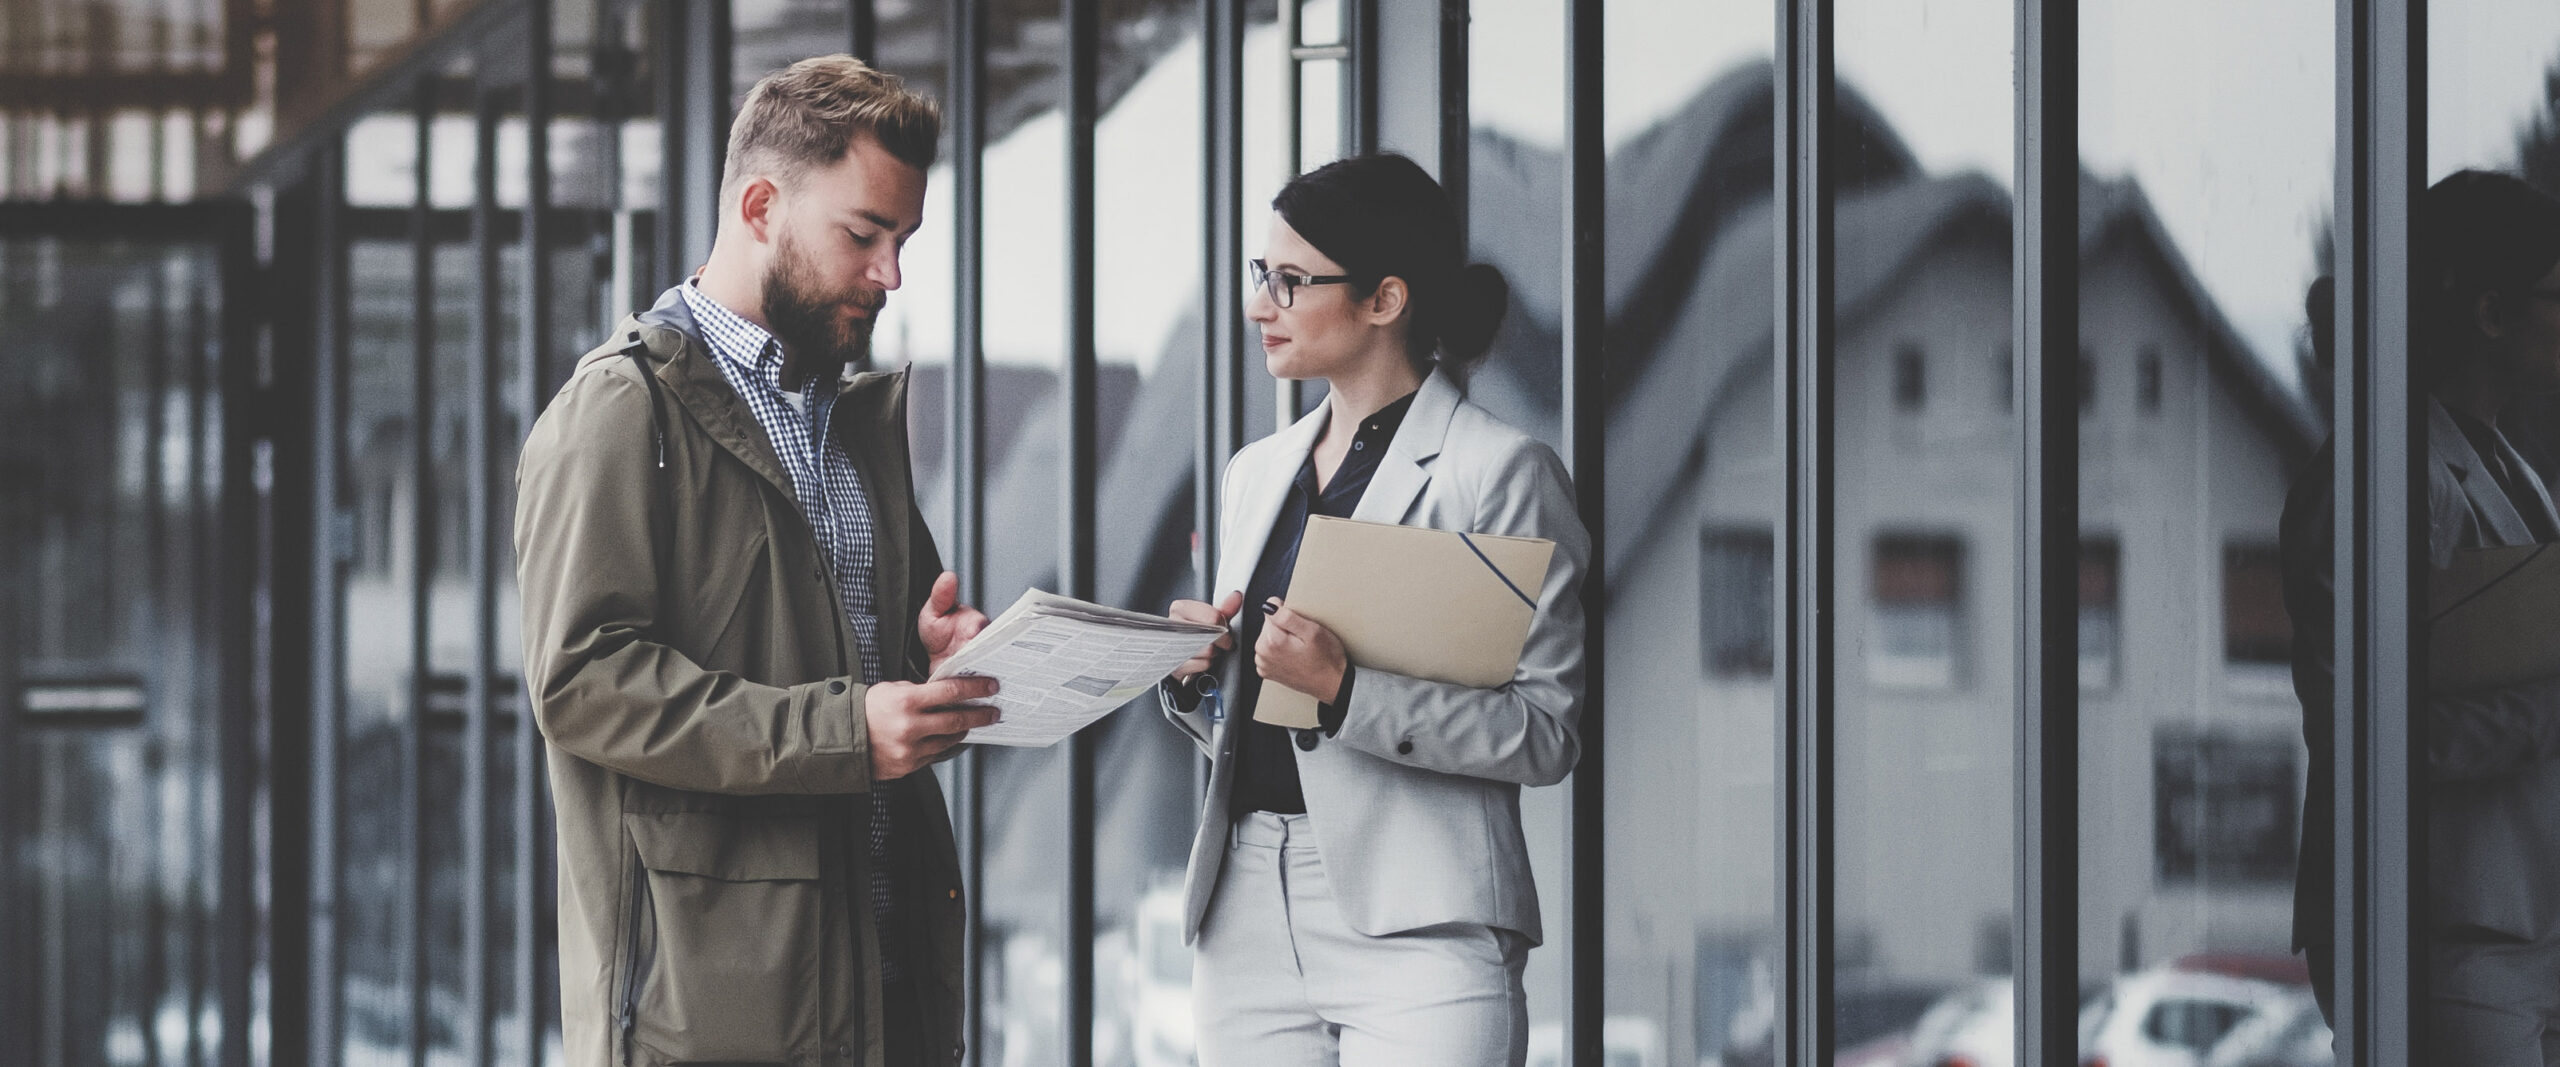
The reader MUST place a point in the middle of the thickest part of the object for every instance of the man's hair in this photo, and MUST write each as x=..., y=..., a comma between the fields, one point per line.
x=810, y=113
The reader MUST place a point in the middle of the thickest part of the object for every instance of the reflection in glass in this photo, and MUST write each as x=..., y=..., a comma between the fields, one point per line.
x=379, y=495
x=1147, y=217
x=107, y=438
x=2202, y=223
x=1925, y=448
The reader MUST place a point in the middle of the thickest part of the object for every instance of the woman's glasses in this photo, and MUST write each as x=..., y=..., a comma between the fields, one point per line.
x=1282, y=286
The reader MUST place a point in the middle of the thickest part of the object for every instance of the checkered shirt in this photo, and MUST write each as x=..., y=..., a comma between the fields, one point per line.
x=831, y=498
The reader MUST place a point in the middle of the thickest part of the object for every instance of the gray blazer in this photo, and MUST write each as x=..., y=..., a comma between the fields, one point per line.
x=2492, y=761
x=1415, y=804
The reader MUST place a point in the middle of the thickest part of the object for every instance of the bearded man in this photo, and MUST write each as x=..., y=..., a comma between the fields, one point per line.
x=730, y=610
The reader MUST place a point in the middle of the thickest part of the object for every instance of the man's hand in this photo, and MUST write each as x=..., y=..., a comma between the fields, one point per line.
x=946, y=623
x=1299, y=652
x=1195, y=611
x=912, y=724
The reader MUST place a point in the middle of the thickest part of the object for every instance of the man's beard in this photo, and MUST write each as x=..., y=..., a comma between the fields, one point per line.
x=806, y=321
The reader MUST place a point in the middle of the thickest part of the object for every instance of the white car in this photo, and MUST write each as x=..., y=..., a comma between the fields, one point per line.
x=1975, y=1026
x=2207, y=1011
x=2201, y=1011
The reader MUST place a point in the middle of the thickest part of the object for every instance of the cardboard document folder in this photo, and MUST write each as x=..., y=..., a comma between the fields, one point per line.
x=2495, y=618
x=1429, y=604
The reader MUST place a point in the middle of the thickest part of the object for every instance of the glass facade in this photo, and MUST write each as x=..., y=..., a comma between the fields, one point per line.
x=1798, y=289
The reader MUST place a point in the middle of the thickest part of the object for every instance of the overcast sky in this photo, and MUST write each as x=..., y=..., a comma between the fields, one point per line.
x=2223, y=110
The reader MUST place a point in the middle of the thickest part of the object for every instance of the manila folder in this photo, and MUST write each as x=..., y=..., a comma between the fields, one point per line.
x=1426, y=604
x=2496, y=618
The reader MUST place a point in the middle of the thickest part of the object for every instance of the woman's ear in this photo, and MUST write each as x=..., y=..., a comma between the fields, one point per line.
x=1388, y=302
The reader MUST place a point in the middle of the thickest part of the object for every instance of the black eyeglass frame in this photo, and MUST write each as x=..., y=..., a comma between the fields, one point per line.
x=1284, y=293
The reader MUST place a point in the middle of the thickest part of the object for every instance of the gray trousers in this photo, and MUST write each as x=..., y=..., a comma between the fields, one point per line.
x=1279, y=980
x=2491, y=1002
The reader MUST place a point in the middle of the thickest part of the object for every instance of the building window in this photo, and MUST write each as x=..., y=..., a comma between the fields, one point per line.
x=2223, y=807
x=1919, y=605
x=2147, y=380
x=2100, y=631
x=1910, y=378
x=2255, y=628
x=1736, y=584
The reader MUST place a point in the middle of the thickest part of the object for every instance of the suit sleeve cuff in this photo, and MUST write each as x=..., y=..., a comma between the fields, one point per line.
x=1329, y=714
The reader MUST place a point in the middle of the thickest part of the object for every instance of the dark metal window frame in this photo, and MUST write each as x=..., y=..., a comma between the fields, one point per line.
x=2380, y=124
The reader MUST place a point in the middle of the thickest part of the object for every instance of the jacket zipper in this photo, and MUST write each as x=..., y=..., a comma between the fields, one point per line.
x=634, y=964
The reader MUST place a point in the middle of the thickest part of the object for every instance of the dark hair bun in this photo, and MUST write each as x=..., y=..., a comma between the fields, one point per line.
x=1474, y=311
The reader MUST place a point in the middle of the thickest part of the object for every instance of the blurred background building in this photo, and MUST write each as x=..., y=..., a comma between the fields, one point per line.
x=283, y=282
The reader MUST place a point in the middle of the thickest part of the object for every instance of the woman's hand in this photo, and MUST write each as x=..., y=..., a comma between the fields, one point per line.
x=1195, y=611
x=1299, y=652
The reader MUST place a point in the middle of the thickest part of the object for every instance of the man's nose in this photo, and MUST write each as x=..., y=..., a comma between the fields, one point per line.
x=883, y=272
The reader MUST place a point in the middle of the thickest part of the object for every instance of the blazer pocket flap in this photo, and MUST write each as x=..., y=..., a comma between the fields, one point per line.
x=727, y=847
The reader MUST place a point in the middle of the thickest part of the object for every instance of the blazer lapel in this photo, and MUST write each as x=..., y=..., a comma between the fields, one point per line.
x=2497, y=517
x=1405, y=469
x=1261, y=487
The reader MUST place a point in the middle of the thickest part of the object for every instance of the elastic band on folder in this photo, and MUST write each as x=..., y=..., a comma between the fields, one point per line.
x=2492, y=583
x=1497, y=572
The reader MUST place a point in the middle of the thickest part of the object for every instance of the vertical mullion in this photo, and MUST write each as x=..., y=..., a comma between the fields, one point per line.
x=1221, y=418
x=235, y=611
x=862, y=30
x=1360, y=76
x=1806, y=569
x=703, y=110
x=1076, y=486
x=479, y=508
x=530, y=387
x=2046, y=262
x=967, y=397
x=422, y=530
x=1585, y=412
x=1289, y=395
x=2382, y=113
x=328, y=607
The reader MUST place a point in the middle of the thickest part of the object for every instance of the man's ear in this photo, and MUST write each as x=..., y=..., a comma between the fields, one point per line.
x=758, y=203
x=1389, y=301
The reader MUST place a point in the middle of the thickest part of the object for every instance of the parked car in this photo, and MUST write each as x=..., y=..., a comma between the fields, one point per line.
x=1974, y=1026
x=2208, y=1011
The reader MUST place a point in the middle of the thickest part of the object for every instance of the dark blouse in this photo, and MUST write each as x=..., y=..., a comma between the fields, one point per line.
x=1266, y=772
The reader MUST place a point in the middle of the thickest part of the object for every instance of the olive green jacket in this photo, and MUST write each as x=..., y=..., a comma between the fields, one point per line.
x=703, y=704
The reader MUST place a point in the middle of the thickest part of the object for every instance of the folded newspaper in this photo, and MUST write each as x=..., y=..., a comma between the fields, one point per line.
x=1064, y=663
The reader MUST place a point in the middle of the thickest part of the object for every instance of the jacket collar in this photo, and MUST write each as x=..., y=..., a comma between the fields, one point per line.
x=1405, y=469
x=869, y=419
x=1401, y=475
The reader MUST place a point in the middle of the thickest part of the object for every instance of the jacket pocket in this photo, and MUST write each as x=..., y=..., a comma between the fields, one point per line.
x=735, y=907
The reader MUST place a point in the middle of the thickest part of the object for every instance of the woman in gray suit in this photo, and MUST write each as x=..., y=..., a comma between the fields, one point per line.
x=1359, y=893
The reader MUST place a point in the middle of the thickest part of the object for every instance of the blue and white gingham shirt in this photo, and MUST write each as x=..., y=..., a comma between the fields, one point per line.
x=831, y=498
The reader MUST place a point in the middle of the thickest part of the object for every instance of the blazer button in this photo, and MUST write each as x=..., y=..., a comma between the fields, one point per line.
x=835, y=687
x=1404, y=748
x=1306, y=740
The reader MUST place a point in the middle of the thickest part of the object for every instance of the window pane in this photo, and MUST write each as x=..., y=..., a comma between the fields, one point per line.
x=1926, y=535
x=377, y=496
x=2203, y=224
x=1147, y=216
x=1022, y=949
x=2491, y=104
x=1515, y=221
x=1693, y=481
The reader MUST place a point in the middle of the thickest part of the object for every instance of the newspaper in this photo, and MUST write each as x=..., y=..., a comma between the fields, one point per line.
x=1064, y=663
